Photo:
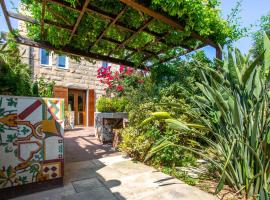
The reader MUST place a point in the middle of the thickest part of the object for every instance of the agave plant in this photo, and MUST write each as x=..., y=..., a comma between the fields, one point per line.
x=237, y=96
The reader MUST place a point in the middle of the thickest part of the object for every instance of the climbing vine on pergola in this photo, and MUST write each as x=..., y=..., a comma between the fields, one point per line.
x=129, y=32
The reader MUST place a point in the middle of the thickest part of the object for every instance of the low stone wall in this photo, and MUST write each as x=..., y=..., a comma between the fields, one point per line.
x=106, y=122
x=31, y=140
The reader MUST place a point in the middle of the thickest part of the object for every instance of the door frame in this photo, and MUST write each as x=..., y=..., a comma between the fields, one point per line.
x=76, y=92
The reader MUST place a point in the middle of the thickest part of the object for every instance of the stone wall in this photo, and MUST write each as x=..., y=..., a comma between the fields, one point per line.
x=78, y=75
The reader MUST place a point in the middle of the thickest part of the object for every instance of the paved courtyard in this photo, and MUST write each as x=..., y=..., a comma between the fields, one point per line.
x=118, y=178
x=97, y=172
x=82, y=145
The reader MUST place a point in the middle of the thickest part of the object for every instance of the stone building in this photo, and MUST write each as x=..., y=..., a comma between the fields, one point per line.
x=75, y=81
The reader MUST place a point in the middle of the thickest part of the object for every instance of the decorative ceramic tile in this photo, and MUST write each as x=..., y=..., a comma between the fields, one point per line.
x=52, y=169
x=31, y=140
x=56, y=152
x=8, y=156
x=28, y=149
x=28, y=173
x=51, y=128
x=30, y=110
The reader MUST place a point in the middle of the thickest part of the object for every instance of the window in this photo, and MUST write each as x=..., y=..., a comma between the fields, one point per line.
x=104, y=64
x=62, y=61
x=45, y=57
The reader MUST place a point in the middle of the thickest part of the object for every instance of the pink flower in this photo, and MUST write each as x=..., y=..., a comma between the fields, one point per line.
x=119, y=88
x=129, y=71
x=110, y=78
x=122, y=68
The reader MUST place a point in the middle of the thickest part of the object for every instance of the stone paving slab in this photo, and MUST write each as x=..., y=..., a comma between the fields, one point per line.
x=86, y=184
x=118, y=178
x=100, y=193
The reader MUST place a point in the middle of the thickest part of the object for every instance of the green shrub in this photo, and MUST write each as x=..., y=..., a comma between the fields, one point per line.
x=42, y=88
x=134, y=143
x=104, y=104
x=119, y=103
x=116, y=104
x=164, y=90
x=238, y=97
x=15, y=76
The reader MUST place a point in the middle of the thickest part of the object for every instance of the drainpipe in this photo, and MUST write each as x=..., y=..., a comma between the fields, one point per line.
x=31, y=61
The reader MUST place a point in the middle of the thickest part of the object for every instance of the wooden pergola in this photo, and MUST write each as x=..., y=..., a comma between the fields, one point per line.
x=114, y=22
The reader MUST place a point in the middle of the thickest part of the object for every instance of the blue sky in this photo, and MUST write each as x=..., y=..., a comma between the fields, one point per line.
x=251, y=12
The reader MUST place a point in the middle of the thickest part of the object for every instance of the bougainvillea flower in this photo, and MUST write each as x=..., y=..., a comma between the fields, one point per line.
x=119, y=88
x=122, y=68
x=129, y=71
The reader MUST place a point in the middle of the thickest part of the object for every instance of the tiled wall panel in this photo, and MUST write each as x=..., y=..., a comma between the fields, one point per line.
x=31, y=140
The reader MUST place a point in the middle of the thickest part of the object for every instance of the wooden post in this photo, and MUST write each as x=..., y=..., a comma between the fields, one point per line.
x=218, y=53
x=219, y=57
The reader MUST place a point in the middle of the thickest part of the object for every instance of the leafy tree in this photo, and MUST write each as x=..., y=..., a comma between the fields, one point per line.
x=234, y=21
x=15, y=76
x=264, y=26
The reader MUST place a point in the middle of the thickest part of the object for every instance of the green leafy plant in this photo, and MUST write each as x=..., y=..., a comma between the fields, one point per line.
x=257, y=37
x=237, y=98
x=42, y=88
x=197, y=16
x=16, y=76
x=164, y=90
x=134, y=143
x=106, y=104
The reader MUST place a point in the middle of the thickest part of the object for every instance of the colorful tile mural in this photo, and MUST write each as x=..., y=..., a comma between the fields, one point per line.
x=31, y=140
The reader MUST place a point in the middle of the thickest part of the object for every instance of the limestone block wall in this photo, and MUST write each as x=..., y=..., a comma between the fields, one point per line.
x=31, y=140
x=79, y=74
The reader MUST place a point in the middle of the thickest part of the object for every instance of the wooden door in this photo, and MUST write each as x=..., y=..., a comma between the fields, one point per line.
x=91, y=107
x=77, y=102
x=61, y=92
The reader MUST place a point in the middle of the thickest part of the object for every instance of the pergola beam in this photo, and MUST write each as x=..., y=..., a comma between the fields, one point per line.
x=22, y=17
x=71, y=51
x=110, y=25
x=42, y=18
x=68, y=28
x=139, y=50
x=128, y=48
x=141, y=8
x=4, y=8
x=33, y=21
x=79, y=18
x=104, y=15
x=156, y=41
x=182, y=54
x=112, y=21
x=108, y=16
x=133, y=35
